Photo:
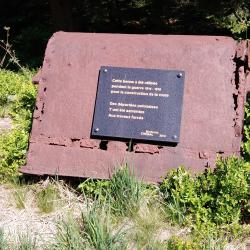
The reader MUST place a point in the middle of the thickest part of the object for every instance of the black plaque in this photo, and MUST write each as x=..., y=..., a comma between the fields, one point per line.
x=138, y=104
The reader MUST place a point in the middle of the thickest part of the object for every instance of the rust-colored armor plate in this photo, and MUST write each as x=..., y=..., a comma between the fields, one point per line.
x=212, y=115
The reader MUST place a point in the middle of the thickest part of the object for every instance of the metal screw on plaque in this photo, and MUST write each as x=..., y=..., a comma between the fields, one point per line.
x=96, y=129
x=105, y=70
x=174, y=137
x=179, y=75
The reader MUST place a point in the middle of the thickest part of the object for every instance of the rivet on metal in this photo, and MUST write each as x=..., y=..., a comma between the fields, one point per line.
x=174, y=137
x=179, y=75
x=97, y=129
x=105, y=70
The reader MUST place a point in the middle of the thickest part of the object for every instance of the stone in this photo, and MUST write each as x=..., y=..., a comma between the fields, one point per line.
x=5, y=124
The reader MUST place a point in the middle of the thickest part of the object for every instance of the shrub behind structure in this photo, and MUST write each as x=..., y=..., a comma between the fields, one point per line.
x=219, y=196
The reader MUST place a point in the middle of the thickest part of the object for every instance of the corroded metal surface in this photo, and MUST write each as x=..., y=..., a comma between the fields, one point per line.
x=214, y=95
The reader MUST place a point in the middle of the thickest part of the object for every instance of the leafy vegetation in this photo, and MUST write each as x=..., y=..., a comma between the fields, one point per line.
x=176, y=243
x=213, y=205
x=246, y=131
x=149, y=225
x=219, y=196
x=17, y=99
x=237, y=22
x=95, y=189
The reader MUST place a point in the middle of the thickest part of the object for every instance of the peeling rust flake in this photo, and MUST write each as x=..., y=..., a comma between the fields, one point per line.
x=143, y=148
x=89, y=143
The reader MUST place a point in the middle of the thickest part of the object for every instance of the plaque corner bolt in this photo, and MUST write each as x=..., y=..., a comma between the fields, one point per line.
x=105, y=70
x=96, y=129
x=175, y=137
x=179, y=75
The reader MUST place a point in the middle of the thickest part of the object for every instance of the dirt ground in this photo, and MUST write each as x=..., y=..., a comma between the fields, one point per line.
x=16, y=222
x=43, y=227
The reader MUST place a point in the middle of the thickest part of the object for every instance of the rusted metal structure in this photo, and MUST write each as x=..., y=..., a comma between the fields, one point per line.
x=216, y=71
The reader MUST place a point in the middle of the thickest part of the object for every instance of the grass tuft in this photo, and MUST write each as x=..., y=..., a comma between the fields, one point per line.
x=26, y=242
x=19, y=196
x=98, y=229
x=46, y=198
x=3, y=241
x=147, y=224
x=69, y=235
x=125, y=192
x=94, y=231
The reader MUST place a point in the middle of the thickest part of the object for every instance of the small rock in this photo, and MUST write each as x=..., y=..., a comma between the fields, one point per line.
x=12, y=98
x=5, y=124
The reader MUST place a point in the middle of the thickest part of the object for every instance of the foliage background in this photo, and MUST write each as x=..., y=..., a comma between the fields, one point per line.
x=32, y=22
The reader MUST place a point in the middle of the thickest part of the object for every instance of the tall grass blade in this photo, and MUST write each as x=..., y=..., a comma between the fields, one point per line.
x=98, y=229
x=125, y=192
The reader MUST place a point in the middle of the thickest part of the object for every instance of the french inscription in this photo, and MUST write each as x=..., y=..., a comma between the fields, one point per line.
x=138, y=103
x=134, y=88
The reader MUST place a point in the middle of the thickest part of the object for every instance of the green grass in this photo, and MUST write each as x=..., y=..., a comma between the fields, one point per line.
x=69, y=235
x=125, y=192
x=47, y=198
x=26, y=242
x=19, y=196
x=23, y=242
x=3, y=241
x=93, y=231
x=212, y=205
x=98, y=229
x=147, y=224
